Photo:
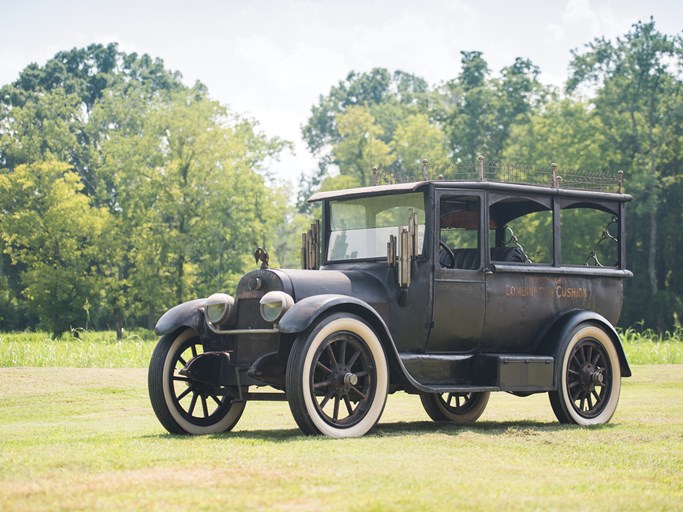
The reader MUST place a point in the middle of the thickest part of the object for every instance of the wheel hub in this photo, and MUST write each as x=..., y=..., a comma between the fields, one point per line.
x=343, y=379
x=591, y=376
x=350, y=379
x=598, y=378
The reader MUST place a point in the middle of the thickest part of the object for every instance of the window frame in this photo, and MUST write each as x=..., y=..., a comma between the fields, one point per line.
x=327, y=227
x=555, y=204
x=482, y=236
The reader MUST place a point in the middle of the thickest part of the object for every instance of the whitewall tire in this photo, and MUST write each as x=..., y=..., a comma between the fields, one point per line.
x=337, y=378
x=589, y=379
x=181, y=405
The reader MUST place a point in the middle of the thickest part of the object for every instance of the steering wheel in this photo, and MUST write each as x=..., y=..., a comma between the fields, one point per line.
x=446, y=255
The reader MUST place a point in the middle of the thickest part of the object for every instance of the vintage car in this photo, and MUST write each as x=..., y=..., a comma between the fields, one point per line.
x=421, y=287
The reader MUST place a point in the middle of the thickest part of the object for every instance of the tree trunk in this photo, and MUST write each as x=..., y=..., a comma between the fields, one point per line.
x=652, y=250
x=180, y=275
x=151, y=317
x=180, y=263
x=652, y=255
x=119, y=325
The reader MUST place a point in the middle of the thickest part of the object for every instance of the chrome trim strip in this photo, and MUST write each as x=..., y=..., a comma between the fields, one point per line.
x=274, y=330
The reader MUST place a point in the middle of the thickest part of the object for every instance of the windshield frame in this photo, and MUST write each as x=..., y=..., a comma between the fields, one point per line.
x=328, y=223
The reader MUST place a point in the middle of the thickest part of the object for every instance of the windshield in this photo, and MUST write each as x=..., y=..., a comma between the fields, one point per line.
x=360, y=227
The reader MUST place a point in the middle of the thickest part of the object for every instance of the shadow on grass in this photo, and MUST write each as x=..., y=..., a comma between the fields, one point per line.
x=490, y=428
x=397, y=429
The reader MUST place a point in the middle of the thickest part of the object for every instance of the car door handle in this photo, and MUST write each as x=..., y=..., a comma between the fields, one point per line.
x=487, y=271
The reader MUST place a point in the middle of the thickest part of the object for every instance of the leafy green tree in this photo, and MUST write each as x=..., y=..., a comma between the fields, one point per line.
x=566, y=132
x=418, y=138
x=478, y=110
x=358, y=89
x=404, y=121
x=183, y=184
x=360, y=146
x=520, y=95
x=50, y=113
x=190, y=201
x=46, y=113
x=51, y=229
x=635, y=87
x=471, y=111
x=380, y=102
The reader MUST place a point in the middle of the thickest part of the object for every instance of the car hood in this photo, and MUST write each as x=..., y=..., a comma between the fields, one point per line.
x=355, y=283
x=307, y=283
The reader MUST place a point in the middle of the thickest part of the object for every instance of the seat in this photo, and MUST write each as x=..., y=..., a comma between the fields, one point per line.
x=508, y=254
x=466, y=259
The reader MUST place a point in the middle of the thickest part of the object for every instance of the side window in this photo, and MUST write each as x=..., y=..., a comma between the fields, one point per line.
x=589, y=237
x=521, y=231
x=459, y=233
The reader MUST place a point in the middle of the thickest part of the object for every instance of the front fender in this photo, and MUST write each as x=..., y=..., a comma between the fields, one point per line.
x=307, y=311
x=552, y=340
x=186, y=314
x=302, y=314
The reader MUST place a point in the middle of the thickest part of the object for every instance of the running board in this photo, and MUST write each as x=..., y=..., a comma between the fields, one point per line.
x=442, y=373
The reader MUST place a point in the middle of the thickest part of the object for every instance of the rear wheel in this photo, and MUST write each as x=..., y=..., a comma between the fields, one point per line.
x=182, y=405
x=590, y=378
x=337, y=378
x=455, y=407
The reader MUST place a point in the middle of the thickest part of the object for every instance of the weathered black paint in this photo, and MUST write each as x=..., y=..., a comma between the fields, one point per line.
x=495, y=327
x=183, y=315
x=534, y=299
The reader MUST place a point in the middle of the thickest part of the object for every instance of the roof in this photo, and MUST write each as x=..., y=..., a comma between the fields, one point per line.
x=363, y=191
x=470, y=185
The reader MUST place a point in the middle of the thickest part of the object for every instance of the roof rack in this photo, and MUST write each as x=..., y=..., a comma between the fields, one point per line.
x=483, y=170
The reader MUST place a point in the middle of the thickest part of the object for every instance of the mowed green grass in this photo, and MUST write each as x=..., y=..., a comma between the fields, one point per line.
x=87, y=439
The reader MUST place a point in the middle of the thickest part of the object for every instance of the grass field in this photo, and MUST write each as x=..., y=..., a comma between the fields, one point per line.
x=87, y=439
x=92, y=349
x=103, y=350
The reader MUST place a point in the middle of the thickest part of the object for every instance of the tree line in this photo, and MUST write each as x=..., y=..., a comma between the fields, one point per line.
x=124, y=191
x=621, y=109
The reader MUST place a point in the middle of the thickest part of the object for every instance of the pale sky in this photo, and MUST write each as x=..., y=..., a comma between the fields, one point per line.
x=271, y=60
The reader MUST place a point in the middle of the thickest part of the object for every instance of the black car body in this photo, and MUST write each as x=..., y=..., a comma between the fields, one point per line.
x=421, y=287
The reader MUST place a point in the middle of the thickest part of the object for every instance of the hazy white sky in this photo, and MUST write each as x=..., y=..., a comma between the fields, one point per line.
x=271, y=60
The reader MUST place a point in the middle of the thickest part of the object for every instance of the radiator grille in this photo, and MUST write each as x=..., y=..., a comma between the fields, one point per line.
x=249, y=315
x=250, y=347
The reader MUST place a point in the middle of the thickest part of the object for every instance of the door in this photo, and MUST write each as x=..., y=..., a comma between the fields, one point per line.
x=459, y=285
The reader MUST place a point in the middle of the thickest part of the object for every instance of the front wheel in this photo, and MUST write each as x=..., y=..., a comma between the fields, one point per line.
x=337, y=378
x=590, y=378
x=455, y=407
x=182, y=405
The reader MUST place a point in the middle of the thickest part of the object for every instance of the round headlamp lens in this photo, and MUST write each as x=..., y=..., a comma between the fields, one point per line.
x=274, y=305
x=214, y=312
x=218, y=307
x=271, y=311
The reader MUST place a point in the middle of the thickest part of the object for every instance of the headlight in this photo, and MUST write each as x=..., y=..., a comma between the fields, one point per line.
x=218, y=308
x=274, y=305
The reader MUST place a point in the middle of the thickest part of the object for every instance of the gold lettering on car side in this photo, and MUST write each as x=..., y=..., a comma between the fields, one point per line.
x=559, y=289
x=571, y=293
x=528, y=291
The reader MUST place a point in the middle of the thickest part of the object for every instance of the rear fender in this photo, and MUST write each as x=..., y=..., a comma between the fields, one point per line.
x=551, y=341
x=187, y=314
